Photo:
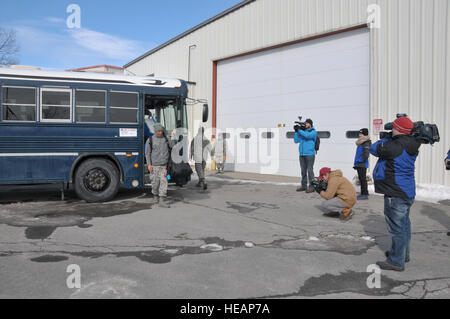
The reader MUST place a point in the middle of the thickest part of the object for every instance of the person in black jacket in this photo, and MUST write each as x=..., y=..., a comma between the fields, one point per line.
x=394, y=177
x=362, y=161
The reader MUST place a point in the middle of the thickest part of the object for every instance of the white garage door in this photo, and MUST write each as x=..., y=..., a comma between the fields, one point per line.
x=326, y=80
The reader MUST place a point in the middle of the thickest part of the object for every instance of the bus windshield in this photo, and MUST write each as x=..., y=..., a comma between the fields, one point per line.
x=170, y=112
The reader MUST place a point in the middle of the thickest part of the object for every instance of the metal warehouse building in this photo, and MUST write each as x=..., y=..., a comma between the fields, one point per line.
x=263, y=63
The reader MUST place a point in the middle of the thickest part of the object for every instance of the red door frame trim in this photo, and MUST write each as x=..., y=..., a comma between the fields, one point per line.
x=214, y=83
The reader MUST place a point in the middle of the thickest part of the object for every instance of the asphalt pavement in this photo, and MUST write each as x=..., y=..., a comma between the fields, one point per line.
x=246, y=236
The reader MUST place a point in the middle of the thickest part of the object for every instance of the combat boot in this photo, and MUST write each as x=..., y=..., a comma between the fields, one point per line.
x=154, y=200
x=164, y=202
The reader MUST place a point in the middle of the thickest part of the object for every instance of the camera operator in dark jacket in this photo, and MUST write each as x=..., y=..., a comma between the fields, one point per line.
x=394, y=177
x=361, y=163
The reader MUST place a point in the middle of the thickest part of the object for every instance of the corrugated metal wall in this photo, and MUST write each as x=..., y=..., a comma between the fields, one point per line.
x=410, y=69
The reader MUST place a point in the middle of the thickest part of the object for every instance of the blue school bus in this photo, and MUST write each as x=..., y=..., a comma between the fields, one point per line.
x=84, y=129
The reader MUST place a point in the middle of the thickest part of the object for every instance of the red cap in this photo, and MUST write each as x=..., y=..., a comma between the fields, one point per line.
x=324, y=171
x=403, y=125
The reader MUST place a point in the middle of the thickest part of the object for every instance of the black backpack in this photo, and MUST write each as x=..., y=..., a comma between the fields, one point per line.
x=317, y=143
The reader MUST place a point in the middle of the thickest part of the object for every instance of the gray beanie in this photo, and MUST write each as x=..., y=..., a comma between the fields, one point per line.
x=158, y=127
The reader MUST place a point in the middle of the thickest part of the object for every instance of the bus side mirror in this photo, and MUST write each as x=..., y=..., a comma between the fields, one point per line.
x=205, y=113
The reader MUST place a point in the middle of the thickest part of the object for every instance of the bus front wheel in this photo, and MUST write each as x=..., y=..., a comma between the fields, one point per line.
x=97, y=180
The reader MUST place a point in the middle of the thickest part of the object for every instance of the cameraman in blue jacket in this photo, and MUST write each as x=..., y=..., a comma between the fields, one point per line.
x=307, y=139
x=361, y=163
x=394, y=177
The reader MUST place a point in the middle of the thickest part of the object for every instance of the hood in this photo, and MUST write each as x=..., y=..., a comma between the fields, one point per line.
x=337, y=173
x=362, y=140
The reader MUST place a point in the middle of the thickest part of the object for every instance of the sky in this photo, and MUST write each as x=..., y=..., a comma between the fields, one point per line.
x=111, y=32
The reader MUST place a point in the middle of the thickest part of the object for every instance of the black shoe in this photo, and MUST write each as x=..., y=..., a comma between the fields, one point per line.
x=387, y=266
x=205, y=187
x=332, y=214
x=199, y=184
x=407, y=259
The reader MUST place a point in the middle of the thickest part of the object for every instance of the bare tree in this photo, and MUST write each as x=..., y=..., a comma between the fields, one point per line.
x=8, y=47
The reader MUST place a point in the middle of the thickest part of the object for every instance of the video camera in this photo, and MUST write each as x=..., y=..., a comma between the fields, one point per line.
x=319, y=185
x=299, y=125
x=424, y=133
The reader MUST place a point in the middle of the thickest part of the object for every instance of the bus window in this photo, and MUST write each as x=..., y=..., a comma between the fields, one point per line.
x=19, y=104
x=168, y=114
x=90, y=106
x=123, y=107
x=56, y=105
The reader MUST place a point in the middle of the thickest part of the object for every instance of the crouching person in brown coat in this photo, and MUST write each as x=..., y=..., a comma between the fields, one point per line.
x=340, y=194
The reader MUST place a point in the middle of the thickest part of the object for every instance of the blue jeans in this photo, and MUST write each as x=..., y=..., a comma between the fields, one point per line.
x=396, y=212
x=307, y=167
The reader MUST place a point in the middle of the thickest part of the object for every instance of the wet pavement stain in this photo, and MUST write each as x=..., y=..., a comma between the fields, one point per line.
x=439, y=215
x=445, y=202
x=244, y=208
x=49, y=258
x=356, y=282
x=158, y=256
x=346, y=282
x=341, y=243
x=40, y=232
x=46, y=217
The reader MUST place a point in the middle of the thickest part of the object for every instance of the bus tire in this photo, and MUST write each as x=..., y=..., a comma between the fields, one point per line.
x=96, y=180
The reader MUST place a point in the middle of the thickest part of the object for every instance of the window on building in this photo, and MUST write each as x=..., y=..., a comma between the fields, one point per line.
x=324, y=134
x=56, y=105
x=321, y=135
x=123, y=107
x=90, y=106
x=352, y=134
x=18, y=104
x=245, y=136
x=268, y=135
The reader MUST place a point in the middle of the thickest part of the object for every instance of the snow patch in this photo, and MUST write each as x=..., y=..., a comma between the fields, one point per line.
x=212, y=247
x=312, y=238
x=249, y=245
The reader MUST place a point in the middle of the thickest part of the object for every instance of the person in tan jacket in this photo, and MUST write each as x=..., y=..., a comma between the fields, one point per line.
x=340, y=194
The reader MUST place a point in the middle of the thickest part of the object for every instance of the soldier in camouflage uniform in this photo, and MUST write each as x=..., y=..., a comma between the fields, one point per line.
x=157, y=152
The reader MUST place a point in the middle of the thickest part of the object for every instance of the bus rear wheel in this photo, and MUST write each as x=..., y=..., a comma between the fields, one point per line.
x=97, y=180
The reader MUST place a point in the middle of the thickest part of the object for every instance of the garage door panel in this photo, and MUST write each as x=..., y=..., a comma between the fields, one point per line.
x=325, y=81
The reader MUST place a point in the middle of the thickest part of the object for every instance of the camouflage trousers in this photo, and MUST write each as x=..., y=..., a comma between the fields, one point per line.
x=159, y=181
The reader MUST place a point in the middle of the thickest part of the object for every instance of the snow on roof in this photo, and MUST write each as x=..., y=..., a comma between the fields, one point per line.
x=68, y=76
